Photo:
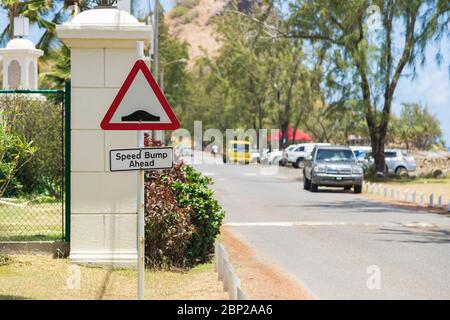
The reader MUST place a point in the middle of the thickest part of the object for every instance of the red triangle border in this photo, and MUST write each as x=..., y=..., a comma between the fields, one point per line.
x=140, y=66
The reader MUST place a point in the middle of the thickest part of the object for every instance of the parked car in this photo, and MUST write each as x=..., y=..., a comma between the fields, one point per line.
x=237, y=151
x=283, y=161
x=332, y=166
x=183, y=151
x=397, y=161
x=274, y=157
x=360, y=152
x=302, y=150
x=257, y=156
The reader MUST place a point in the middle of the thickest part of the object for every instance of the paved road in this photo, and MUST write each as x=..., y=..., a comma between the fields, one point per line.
x=328, y=241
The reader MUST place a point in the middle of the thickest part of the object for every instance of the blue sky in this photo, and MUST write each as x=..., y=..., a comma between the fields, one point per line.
x=431, y=86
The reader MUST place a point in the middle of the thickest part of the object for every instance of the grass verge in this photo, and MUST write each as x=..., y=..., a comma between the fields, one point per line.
x=42, y=277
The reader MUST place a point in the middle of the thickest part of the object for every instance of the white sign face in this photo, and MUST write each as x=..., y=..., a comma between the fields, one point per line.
x=141, y=159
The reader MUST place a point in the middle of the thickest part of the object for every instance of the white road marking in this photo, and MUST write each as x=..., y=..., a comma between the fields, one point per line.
x=331, y=223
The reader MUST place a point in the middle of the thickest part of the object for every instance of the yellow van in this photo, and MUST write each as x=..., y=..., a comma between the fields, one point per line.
x=237, y=151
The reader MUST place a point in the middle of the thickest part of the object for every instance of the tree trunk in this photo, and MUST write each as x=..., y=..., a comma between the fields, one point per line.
x=284, y=134
x=377, y=138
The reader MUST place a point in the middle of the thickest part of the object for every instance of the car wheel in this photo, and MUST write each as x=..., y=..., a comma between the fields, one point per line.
x=298, y=163
x=357, y=189
x=283, y=162
x=306, y=183
x=401, y=171
x=314, y=187
x=347, y=188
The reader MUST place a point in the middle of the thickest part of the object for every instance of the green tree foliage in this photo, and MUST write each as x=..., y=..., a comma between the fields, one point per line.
x=15, y=152
x=176, y=75
x=40, y=121
x=416, y=127
x=34, y=10
x=369, y=63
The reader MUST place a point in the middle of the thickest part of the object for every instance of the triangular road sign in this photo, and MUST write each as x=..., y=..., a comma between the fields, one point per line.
x=140, y=104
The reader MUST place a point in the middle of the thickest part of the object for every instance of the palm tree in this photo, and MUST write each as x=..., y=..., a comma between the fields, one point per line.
x=34, y=10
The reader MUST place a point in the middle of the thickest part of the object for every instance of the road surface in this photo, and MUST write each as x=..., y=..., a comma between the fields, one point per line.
x=337, y=245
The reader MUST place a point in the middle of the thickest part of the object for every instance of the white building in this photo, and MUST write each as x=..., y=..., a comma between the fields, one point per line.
x=20, y=64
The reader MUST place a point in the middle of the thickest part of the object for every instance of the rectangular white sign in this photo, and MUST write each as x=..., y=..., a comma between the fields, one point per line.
x=141, y=159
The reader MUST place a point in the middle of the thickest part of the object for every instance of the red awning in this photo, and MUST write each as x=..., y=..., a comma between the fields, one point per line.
x=299, y=135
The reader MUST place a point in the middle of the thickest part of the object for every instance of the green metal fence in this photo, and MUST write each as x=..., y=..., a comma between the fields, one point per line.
x=34, y=165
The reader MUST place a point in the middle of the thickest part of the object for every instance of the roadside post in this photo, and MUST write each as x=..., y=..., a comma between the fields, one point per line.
x=140, y=105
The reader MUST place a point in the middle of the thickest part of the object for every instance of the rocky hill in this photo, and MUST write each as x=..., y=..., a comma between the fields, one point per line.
x=190, y=21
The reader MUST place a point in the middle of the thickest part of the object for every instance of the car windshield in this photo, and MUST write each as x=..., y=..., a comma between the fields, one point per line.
x=240, y=147
x=338, y=155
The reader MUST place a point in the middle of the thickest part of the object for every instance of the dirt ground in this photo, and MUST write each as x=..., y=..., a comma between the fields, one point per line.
x=42, y=277
x=259, y=280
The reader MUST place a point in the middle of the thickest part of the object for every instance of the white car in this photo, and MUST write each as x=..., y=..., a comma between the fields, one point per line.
x=360, y=152
x=274, y=157
x=297, y=155
x=283, y=161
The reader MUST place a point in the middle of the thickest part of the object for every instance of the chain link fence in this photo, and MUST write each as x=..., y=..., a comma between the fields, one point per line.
x=32, y=165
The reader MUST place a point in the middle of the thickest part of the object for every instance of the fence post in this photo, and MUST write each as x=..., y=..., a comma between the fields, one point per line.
x=223, y=255
x=392, y=193
x=422, y=199
x=406, y=195
x=241, y=295
x=414, y=196
x=398, y=194
x=440, y=201
x=227, y=268
x=431, y=202
x=67, y=159
x=385, y=192
x=216, y=256
x=233, y=285
x=448, y=207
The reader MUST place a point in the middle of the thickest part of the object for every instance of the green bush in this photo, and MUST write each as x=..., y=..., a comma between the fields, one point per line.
x=188, y=3
x=182, y=218
x=168, y=227
x=206, y=213
x=38, y=119
x=178, y=11
x=15, y=153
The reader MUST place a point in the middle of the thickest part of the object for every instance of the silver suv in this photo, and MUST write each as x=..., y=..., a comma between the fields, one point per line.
x=332, y=166
x=397, y=161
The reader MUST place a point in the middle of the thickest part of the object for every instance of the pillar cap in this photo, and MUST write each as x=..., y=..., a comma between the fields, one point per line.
x=20, y=47
x=111, y=24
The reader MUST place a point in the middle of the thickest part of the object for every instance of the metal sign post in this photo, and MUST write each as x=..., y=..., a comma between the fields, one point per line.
x=141, y=223
x=140, y=204
x=140, y=105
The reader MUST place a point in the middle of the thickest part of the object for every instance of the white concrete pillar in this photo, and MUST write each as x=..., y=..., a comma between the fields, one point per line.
x=103, y=204
x=414, y=197
x=406, y=195
x=431, y=200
